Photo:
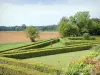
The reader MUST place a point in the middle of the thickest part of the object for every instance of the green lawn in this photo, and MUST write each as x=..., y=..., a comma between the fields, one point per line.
x=12, y=45
x=61, y=60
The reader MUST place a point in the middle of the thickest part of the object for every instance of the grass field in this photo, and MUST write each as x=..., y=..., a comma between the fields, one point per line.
x=61, y=60
x=12, y=45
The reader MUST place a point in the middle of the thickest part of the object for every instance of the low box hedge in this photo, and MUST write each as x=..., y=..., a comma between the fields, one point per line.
x=75, y=38
x=69, y=45
x=6, y=69
x=80, y=38
x=33, y=66
x=34, y=45
x=48, y=51
x=43, y=44
x=79, y=42
x=21, y=51
x=24, y=46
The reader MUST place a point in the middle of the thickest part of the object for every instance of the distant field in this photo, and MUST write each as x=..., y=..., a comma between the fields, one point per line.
x=7, y=37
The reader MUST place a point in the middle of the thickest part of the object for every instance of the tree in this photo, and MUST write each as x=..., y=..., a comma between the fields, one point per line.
x=23, y=27
x=62, y=27
x=65, y=28
x=95, y=29
x=82, y=21
x=32, y=33
x=73, y=29
x=16, y=28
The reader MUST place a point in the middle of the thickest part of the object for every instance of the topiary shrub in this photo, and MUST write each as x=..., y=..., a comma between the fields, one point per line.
x=86, y=36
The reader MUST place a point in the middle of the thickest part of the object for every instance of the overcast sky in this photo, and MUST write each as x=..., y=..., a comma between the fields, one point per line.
x=43, y=12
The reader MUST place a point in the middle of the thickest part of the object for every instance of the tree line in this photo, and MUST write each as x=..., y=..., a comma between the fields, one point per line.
x=79, y=24
x=21, y=28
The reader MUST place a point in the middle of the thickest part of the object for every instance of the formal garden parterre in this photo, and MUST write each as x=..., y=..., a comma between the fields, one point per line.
x=10, y=60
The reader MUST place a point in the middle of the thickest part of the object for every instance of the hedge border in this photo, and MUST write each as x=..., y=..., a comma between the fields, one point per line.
x=33, y=66
x=47, y=52
x=6, y=69
x=21, y=51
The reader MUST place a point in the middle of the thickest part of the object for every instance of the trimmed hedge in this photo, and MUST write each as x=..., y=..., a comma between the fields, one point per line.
x=79, y=42
x=21, y=51
x=43, y=44
x=48, y=52
x=75, y=38
x=34, y=45
x=80, y=38
x=33, y=66
x=69, y=44
x=26, y=45
x=16, y=70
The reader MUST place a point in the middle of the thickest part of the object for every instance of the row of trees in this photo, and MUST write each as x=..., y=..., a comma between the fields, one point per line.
x=78, y=24
x=47, y=28
x=13, y=28
x=21, y=28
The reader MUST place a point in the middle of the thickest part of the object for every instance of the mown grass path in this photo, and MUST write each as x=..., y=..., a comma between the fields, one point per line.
x=61, y=60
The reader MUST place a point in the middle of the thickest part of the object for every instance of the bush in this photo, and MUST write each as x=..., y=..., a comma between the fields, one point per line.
x=86, y=36
x=87, y=65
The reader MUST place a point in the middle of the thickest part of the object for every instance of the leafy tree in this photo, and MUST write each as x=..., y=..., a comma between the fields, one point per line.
x=23, y=27
x=95, y=30
x=16, y=28
x=95, y=20
x=82, y=21
x=65, y=28
x=32, y=33
x=73, y=29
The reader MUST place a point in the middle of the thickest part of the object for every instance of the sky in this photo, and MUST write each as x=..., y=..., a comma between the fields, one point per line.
x=43, y=12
